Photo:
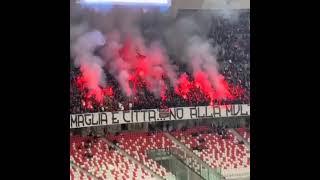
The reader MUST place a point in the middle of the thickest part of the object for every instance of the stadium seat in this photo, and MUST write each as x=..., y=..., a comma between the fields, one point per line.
x=105, y=163
x=224, y=153
x=137, y=144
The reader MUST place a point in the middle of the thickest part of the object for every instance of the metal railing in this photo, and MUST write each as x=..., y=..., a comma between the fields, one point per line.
x=196, y=166
x=194, y=161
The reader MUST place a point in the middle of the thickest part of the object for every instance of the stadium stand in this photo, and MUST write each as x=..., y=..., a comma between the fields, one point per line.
x=75, y=173
x=137, y=144
x=102, y=162
x=223, y=150
x=215, y=146
x=218, y=149
x=233, y=40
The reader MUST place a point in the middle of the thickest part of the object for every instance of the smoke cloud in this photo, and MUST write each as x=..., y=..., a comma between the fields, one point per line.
x=91, y=66
x=131, y=58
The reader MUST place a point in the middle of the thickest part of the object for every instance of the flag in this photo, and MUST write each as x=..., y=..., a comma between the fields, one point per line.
x=164, y=113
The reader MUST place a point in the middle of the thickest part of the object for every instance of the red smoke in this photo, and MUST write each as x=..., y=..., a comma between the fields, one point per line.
x=202, y=82
x=148, y=72
x=184, y=86
x=88, y=83
x=144, y=71
x=190, y=89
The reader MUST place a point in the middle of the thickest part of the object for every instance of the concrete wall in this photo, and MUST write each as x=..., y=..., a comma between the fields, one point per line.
x=232, y=4
x=208, y=4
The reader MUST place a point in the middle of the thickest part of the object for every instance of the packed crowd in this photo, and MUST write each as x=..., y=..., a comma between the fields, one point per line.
x=234, y=56
x=233, y=40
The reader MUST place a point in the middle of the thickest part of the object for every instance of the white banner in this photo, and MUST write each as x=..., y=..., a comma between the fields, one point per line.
x=152, y=115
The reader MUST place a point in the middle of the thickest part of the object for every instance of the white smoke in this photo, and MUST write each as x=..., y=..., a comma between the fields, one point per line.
x=193, y=48
x=226, y=8
x=77, y=30
x=82, y=51
x=122, y=67
x=119, y=68
x=202, y=58
x=187, y=38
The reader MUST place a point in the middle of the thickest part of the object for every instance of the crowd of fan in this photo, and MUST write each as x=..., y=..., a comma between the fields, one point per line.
x=233, y=40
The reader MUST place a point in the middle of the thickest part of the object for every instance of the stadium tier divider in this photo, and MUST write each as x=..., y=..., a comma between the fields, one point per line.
x=240, y=138
x=131, y=158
